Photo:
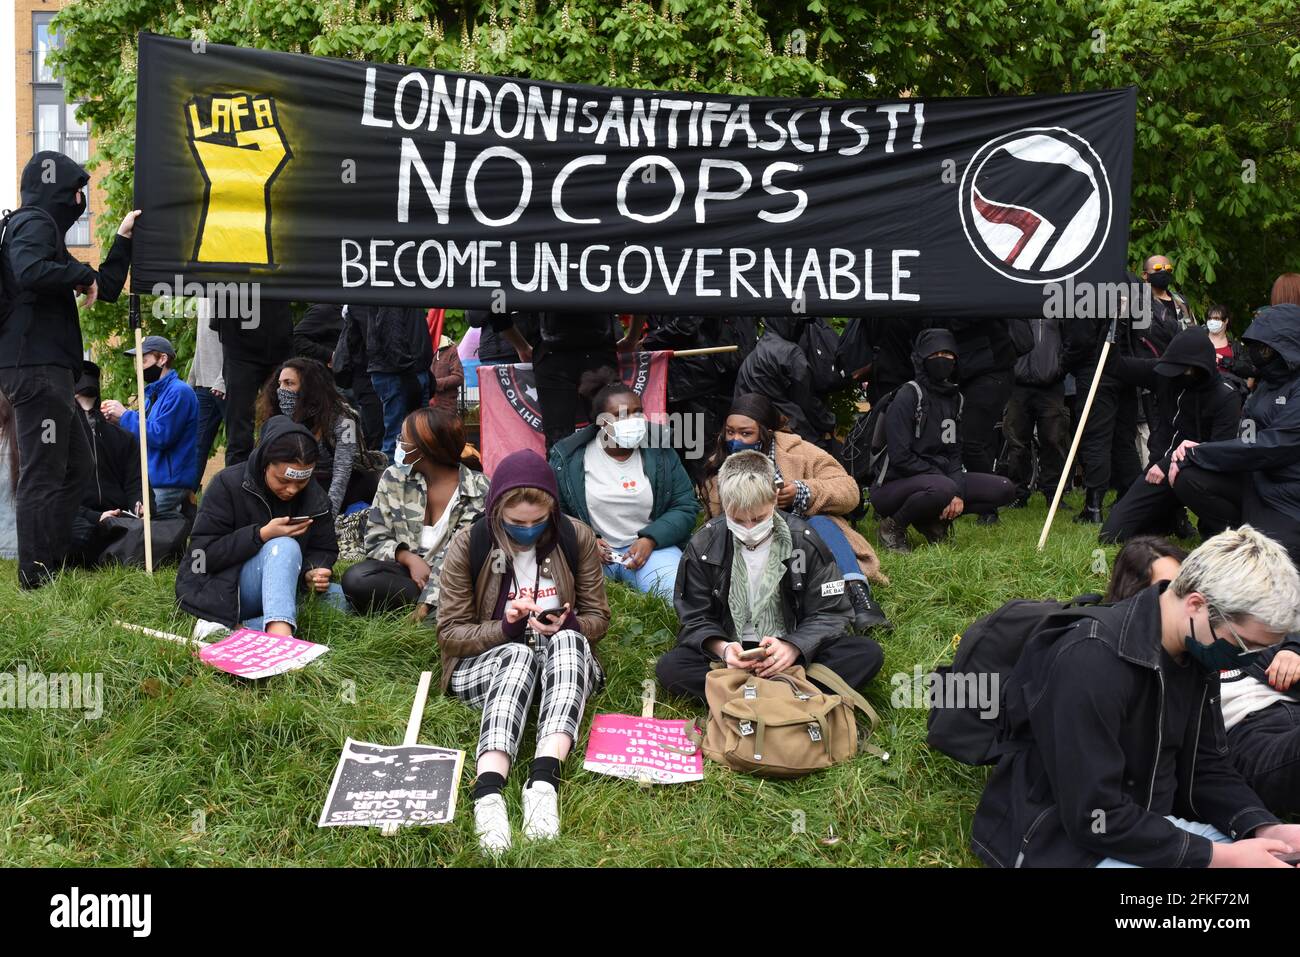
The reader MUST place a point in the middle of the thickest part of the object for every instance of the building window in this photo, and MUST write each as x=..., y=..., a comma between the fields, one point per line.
x=56, y=126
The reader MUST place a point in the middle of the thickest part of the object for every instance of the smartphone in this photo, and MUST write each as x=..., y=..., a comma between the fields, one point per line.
x=550, y=616
x=1292, y=858
x=752, y=654
x=306, y=518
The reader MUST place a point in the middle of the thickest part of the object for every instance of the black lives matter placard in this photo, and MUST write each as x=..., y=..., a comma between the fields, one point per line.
x=344, y=181
x=400, y=784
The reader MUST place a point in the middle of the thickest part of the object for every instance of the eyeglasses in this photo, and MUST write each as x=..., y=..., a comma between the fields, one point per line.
x=1240, y=641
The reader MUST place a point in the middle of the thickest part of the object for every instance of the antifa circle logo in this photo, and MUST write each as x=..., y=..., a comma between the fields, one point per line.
x=519, y=386
x=1036, y=204
x=240, y=150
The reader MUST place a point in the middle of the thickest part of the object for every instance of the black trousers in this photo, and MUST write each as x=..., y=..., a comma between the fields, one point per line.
x=986, y=398
x=1214, y=497
x=854, y=658
x=244, y=379
x=55, y=463
x=1143, y=510
x=1265, y=747
x=1109, y=443
x=558, y=374
x=921, y=498
x=1042, y=409
x=374, y=585
x=371, y=409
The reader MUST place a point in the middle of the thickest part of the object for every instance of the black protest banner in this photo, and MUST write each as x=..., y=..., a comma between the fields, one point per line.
x=342, y=181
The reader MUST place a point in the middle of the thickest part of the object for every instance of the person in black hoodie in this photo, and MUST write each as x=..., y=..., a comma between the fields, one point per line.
x=780, y=370
x=264, y=533
x=1113, y=749
x=349, y=363
x=317, y=333
x=114, y=487
x=1254, y=477
x=41, y=352
x=399, y=356
x=1198, y=404
x=1037, y=404
x=925, y=484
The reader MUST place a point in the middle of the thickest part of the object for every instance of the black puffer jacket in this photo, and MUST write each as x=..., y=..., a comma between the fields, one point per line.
x=815, y=610
x=1270, y=451
x=779, y=370
x=1204, y=409
x=1083, y=719
x=984, y=346
x=235, y=506
x=397, y=338
x=40, y=275
x=317, y=334
x=939, y=447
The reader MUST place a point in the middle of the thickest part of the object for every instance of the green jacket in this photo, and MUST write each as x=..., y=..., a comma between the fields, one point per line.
x=672, y=518
x=397, y=518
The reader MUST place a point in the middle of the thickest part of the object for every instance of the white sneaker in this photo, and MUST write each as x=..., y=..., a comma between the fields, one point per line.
x=492, y=824
x=204, y=629
x=541, y=812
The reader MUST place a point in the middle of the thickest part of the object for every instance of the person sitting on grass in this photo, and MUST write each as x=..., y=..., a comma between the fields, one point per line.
x=636, y=496
x=1143, y=561
x=264, y=533
x=925, y=484
x=812, y=485
x=1110, y=729
x=758, y=578
x=423, y=500
x=522, y=603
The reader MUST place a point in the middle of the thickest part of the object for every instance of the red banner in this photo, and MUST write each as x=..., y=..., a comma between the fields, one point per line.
x=510, y=415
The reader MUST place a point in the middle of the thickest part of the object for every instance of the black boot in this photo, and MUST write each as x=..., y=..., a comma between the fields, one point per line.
x=937, y=531
x=1090, y=514
x=988, y=518
x=893, y=536
x=866, y=613
x=1022, y=498
x=1183, y=526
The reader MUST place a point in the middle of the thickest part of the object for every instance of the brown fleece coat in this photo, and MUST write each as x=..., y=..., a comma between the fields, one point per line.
x=465, y=624
x=833, y=491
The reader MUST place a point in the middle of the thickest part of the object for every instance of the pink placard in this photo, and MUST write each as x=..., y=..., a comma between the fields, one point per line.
x=255, y=654
x=629, y=747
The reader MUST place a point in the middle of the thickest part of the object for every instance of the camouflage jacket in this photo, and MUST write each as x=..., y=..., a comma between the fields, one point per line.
x=397, y=518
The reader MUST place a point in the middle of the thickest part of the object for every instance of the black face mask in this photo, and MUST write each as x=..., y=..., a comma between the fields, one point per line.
x=1162, y=279
x=153, y=374
x=940, y=368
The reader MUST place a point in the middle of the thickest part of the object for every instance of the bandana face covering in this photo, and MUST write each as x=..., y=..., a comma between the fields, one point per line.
x=288, y=400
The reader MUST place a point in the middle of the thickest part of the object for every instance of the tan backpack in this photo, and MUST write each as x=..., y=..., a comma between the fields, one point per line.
x=783, y=726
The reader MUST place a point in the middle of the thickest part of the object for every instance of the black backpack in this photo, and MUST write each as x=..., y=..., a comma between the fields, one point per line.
x=8, y=296
x=481, y=545
x=991, y=646
x=866, y=447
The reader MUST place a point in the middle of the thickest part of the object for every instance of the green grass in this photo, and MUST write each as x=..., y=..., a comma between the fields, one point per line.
x=256, y=758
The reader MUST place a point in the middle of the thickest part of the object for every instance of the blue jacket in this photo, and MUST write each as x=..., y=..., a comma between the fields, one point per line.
x=672, y=517
x=172, y=414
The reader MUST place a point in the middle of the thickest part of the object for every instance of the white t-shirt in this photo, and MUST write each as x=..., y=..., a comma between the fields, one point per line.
x=1240, y=695
x=433, y=537
x=525, y=575
x=755, y=561
x=619, y=496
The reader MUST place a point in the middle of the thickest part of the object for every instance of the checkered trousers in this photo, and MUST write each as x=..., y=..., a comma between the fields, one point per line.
x=503, y=681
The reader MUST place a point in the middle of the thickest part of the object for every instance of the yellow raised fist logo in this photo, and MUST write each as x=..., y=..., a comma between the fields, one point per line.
x=240, y=149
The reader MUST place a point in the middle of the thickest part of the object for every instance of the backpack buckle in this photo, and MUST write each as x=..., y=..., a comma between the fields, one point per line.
x=746, y=728
x=814, y=732
x=751, y=691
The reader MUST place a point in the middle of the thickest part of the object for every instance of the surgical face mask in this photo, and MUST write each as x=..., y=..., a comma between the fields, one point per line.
x=288, y=400
x=402, y=460
x=1161, y=279
x=939, y=368
x=628, y=433
x=526, y=534
x=752, y=536
x=1215, y=326
x=735, y=445
x=1220, y=655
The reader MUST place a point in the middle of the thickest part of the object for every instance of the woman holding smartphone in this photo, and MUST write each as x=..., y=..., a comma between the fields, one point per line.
x=264, y=534
x=522, y=604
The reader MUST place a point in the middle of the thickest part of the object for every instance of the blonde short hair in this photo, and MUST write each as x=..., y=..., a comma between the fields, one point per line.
x=1244, y=572
x=746, y=481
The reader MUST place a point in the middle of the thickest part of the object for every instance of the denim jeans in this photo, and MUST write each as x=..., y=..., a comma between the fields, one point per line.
x=268, y=585
x=838, y=543
x=397, y=404
x=167, y=501
x=1193, y=827
x=658, y=575
x=212, y=411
